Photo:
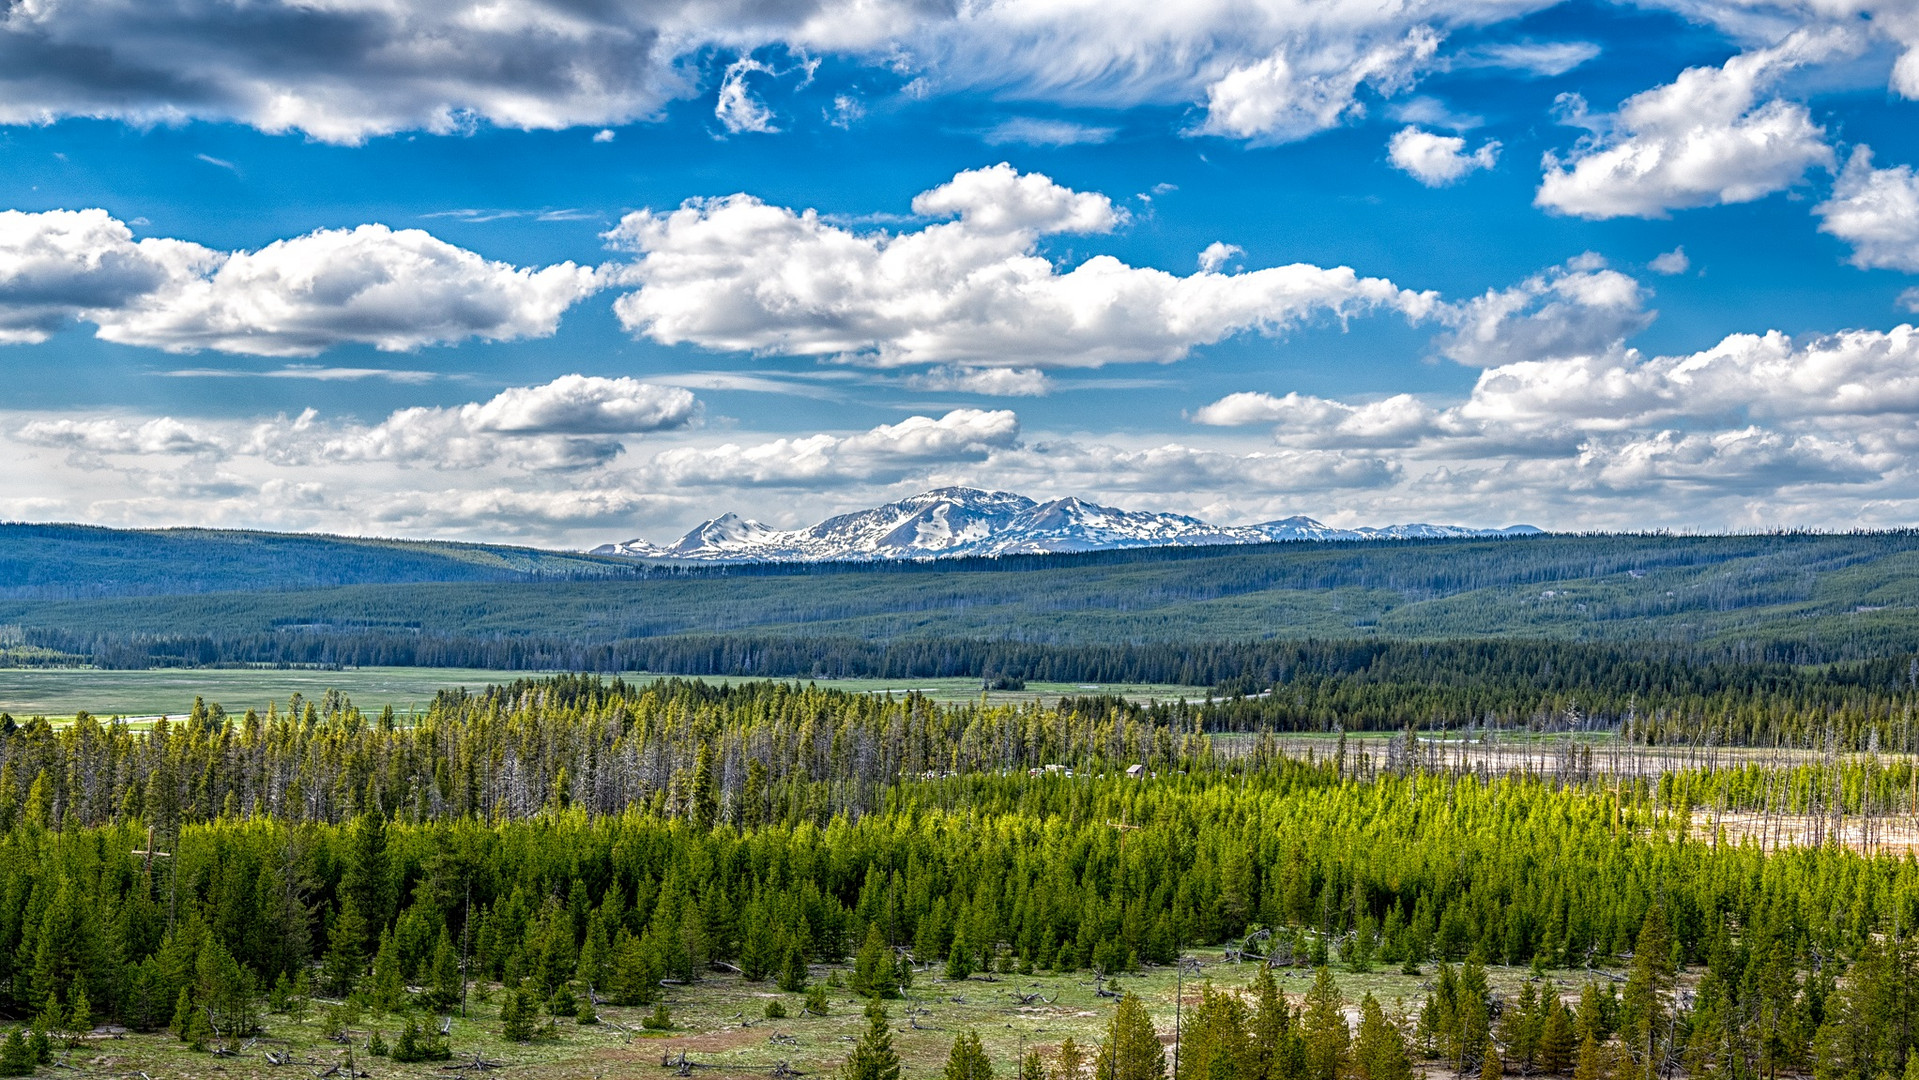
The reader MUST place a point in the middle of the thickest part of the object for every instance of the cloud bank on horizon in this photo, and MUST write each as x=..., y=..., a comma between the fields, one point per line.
x=572, y=273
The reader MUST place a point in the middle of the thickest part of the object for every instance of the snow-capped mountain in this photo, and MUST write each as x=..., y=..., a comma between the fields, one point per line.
x=952, y=522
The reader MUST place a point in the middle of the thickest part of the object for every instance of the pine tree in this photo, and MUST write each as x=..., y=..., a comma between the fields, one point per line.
x=345, y=959
x=445, y=982
x=1132, y=1050
x=1070, y=1062
x=873, y=972
x=706, y=790
x=1557, y=1042
x=967, y=1060
x=79, y=1018
x=636, y=970
x=1324, y=1026
x=516, y=1016
x=1216, y=1044
x=873, y=1057
x=16, y=1057
x=1031, y=1067
x=1592, y=1061
x=793, y=972
x=1643, y=1009
x=959, y=959
x=1379, y=1052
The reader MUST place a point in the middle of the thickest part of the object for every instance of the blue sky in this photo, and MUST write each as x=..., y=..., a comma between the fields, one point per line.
x=563, y=272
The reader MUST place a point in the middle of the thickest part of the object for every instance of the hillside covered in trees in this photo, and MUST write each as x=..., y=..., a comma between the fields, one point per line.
x=1793, y=598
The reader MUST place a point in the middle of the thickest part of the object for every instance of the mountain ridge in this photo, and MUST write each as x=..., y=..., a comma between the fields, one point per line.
x=958, y=522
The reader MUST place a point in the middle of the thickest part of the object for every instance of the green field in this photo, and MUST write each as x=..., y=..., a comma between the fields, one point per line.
x=720, y=1028
x=62, y=692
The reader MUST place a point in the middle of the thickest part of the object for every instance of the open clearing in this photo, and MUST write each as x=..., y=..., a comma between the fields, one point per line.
x=62, y=692
x=721, y=1029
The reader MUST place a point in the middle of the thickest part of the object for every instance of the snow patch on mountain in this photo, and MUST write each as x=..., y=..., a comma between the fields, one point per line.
x=957, y=521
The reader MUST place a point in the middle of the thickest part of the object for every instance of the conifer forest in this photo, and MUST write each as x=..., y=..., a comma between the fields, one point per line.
x=1334, y=859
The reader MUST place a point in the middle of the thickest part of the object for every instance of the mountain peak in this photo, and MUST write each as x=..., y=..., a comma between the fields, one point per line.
x=949, y=522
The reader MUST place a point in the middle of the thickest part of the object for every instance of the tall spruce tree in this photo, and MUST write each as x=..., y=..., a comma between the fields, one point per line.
x=873, y=1057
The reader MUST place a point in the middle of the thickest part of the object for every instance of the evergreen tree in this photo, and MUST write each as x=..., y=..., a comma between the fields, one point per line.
x=873, y=971
x=967, y=1060
x=16, y=1057
x=636, y=971
x=1557, y=1040
x=517, y=1016
x=793, y=971
x=873, y=1057
x=1592, y=1061
x=1323, y=1023
x=1032, y=1067
x=1643, y=1008
x=1379, y=1051
x=1132, y=1050
x=1070, y=1062
x=706, y=790
x=445, y=983
x=1216, y=1043
x=959, y=959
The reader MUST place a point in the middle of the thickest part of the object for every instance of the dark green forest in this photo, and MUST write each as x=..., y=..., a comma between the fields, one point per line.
x=1800, y=598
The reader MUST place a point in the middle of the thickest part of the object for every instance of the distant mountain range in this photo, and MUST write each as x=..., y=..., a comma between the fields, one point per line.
x=957, y=521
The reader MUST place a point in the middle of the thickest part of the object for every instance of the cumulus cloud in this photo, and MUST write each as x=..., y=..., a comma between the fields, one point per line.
x=1300, y=419
x=991, y=382
x=98, y=436
x=1671, y=262
x=1291, y=94
x=1438, y=160
x=1877, y=212
x=396, y=290
x=393, y=289
x=1580, y=308
x=1702, y=140
x=568, y=423
x=880, y=455
x=735, y=273
x=1218, y=254
x=59, y=265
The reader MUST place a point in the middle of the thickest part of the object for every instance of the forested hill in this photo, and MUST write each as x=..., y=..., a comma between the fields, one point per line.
x=1790, y=597
x=67, y=561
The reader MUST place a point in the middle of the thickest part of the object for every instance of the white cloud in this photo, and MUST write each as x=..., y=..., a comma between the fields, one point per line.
x=604, y=135
x=568, y=423
x=1544, y=59
x=395, y=290
x=879, y=456
x=1768, y=377
x=737, y=274
x=846, y=111
x=101, y=436
x=1702, y=140
x=1877, y=212
x=1400, y=420
x=1438, y=160
x=57, y=266
x=991, y=382
x=1671, y=262
x=1291, y=94
x=738, y=110
x=1031, y=131
x=1218, y=254
x=1580, y=308
x=1909, y=299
